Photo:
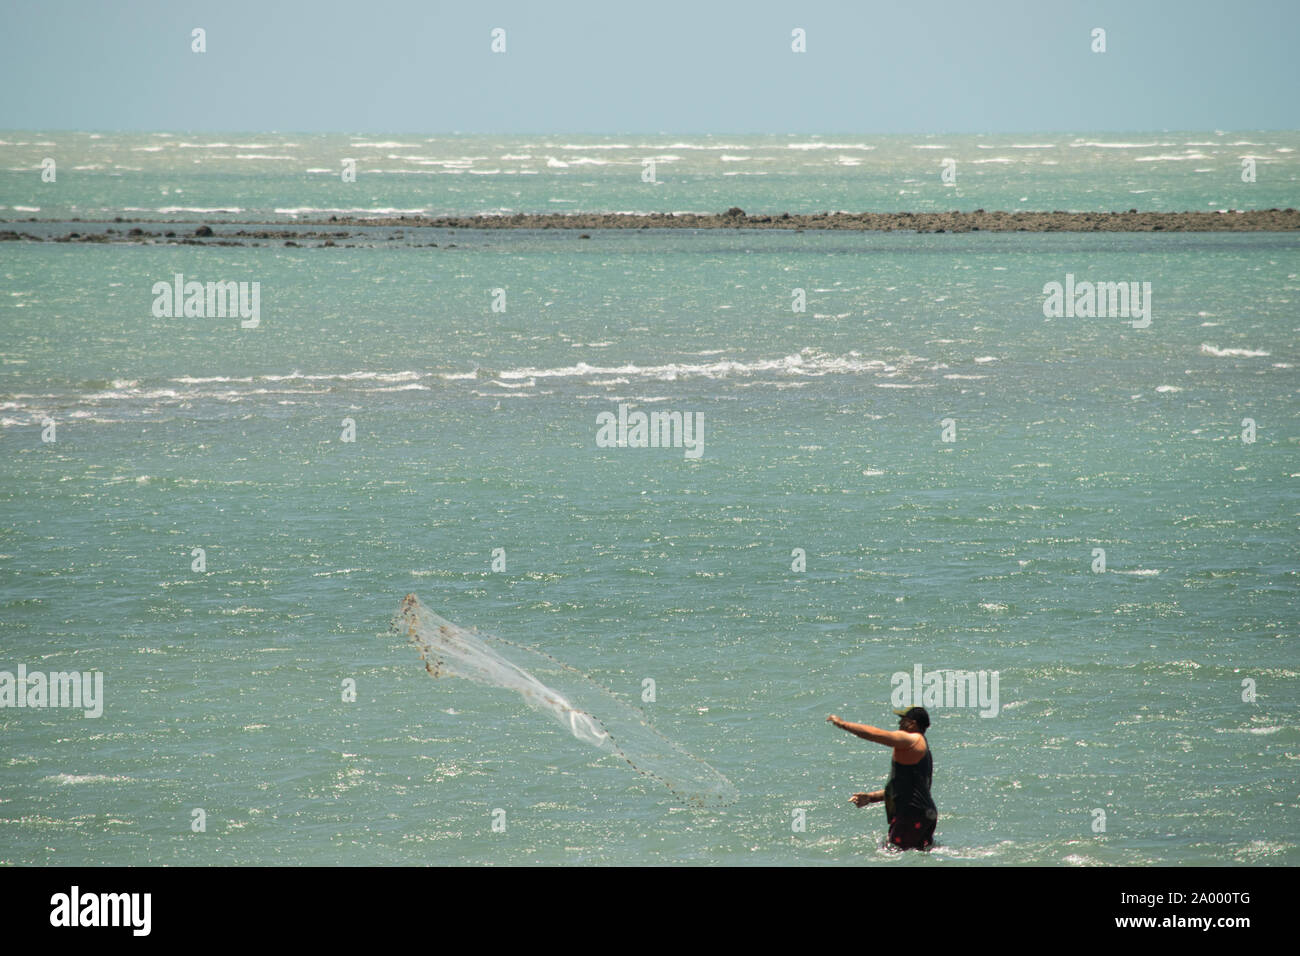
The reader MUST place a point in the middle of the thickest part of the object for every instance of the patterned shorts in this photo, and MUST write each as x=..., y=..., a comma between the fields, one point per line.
x=912, y=833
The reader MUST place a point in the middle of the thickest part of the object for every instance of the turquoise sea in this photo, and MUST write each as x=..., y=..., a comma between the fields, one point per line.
x=283, y=176
x=475, y=429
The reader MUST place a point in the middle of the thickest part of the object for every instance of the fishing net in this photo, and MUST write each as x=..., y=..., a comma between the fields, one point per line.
x=588, y=711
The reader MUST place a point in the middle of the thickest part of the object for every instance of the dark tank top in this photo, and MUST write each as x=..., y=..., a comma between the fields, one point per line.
x=908, y=790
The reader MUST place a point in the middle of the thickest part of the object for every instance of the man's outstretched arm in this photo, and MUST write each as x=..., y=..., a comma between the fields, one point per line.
x=862, y=799
x=898, y=739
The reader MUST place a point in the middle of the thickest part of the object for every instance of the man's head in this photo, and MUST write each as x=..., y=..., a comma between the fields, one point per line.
x=914, y=720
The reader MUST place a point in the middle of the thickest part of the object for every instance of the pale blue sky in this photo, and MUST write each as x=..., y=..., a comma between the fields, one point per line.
x=660, y=66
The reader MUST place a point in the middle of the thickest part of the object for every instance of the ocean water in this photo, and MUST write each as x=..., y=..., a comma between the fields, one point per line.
x=269, y=176
x=476, y=430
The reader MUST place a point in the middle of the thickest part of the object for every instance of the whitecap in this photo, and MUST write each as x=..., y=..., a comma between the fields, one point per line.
x=1214, y=350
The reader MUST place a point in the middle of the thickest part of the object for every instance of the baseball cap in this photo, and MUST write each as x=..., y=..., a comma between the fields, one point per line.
x=918, y=714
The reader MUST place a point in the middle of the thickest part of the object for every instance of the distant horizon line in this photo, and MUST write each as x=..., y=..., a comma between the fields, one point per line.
x=568, y=132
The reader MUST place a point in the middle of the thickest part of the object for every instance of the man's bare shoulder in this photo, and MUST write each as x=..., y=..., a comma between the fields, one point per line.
x=913, y=751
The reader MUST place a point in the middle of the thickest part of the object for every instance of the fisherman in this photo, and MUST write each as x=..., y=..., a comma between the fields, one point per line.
x=909, y=808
